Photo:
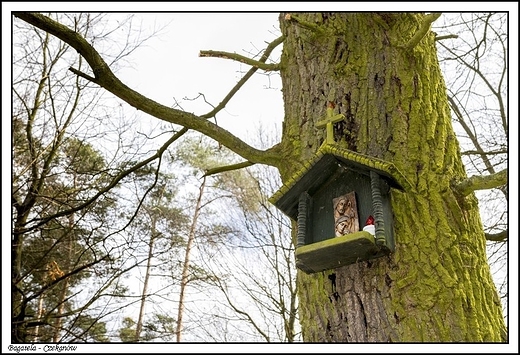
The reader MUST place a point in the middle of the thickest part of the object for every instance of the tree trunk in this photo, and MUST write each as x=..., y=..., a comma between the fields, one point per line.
x=39, y=313
x=70, y=240
x=140, y=319
x=186, y=264
x=437, y=286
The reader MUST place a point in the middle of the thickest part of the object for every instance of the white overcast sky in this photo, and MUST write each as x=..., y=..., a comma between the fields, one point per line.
x=169, y=67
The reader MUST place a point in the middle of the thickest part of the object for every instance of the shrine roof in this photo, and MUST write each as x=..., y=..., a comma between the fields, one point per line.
x=326, y=161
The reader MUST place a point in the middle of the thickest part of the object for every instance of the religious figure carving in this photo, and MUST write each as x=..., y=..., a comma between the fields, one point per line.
x=346, y=218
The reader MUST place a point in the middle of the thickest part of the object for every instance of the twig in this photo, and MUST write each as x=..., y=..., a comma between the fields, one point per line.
x=240, y=58
x=221, y=169
x=440, y=38
x=246, y=77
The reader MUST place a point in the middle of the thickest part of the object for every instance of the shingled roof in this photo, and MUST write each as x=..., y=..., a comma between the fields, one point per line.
x=326, y=161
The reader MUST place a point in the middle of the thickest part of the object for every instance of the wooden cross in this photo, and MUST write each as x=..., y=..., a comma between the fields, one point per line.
x=329, y=121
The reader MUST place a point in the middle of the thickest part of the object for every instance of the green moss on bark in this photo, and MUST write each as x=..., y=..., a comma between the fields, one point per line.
x=437, y=285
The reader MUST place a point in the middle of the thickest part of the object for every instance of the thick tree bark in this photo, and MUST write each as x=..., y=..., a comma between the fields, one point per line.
x=437, y=286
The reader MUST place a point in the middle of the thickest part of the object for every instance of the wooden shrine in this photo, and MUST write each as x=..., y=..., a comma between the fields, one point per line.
x=340, y=178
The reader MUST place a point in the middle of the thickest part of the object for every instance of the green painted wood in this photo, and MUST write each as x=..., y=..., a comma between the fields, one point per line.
x=326, y=161
x=333, y=172
x=322, y=208
x=303, y=218
x=336, y=252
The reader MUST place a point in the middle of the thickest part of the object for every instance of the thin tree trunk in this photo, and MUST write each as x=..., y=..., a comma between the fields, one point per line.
x=65, y=283
x=185, y=268
x=139, y=325
x=39, y=316
x=61, y=308
x=23, y=209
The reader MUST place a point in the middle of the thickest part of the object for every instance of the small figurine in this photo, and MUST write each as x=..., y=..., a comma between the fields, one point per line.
x=369, y=225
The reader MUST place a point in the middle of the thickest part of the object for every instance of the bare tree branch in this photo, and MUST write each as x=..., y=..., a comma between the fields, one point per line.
x=474, y=139
x=112, y=184
x=105, y=78
x=239, y=311
x=479, y=182
x=483, y=153
x=246, y=77
x=497, y=237
x=440, y=38
x=63, y=277
x=240, y=58
x=495, y=91
x=221, y=169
